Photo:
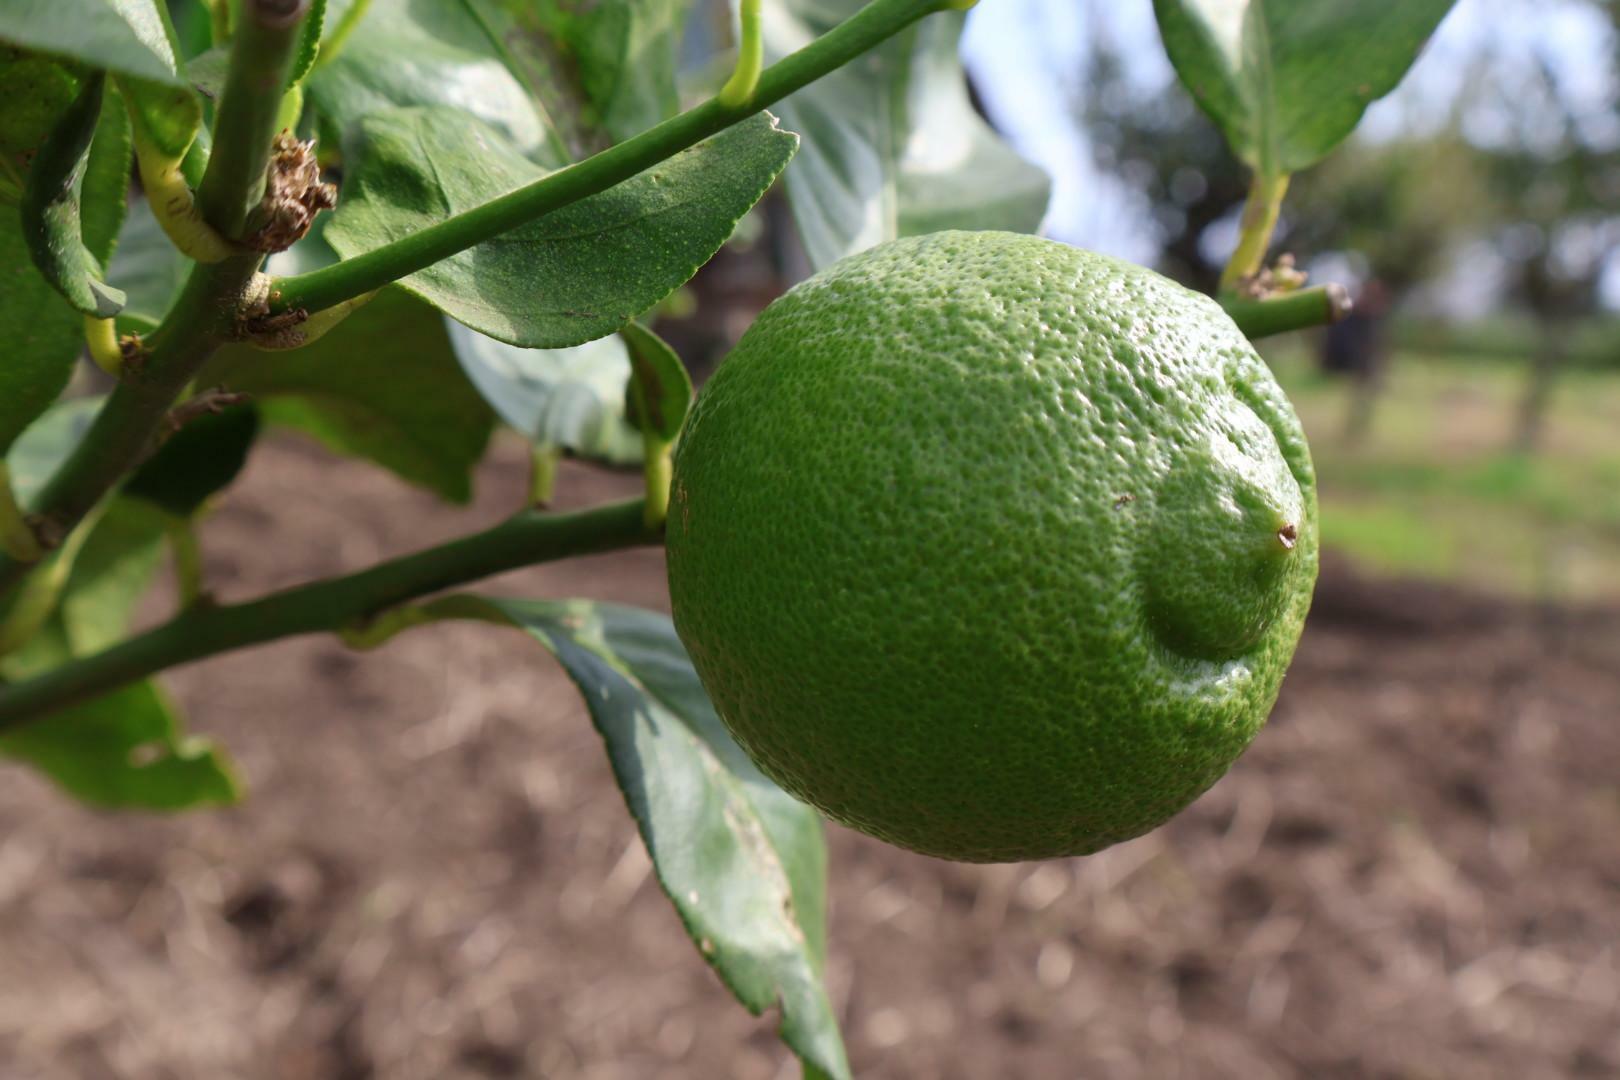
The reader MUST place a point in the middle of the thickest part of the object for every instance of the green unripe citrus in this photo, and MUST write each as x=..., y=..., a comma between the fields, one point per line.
x=991, y=547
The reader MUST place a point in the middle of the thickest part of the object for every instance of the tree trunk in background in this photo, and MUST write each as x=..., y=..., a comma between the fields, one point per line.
x=1356, y=348
x=1545, y=365
x=1365, y=389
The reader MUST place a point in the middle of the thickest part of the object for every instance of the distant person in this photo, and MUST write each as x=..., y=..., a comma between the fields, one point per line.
x=1357, y=348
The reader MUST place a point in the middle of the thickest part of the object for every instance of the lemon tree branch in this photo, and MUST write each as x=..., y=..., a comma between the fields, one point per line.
x=204, y=314
x=333, y=605
x=1279, y=314
x=261, y=60
x=319, y=289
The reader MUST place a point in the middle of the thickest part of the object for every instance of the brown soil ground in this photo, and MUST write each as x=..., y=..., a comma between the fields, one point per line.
x=1414, y=873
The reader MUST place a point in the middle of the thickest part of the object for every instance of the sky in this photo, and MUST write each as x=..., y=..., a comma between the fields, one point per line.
x=1025, y=56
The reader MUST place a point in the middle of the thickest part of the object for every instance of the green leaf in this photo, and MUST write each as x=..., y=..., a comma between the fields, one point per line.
x=956, y=171
x=41, y=449
x=574, y=275
x=405, y=52
x=169, y=116
x=197, y=461
x=147, y=268
x=167, y=113
x=36, y=90
x=309, y=42
x=572, y=398
x=126, y=36
x=125, y=750
x=112, y=571
x=743, y=862
x=384, y=385
x=79, y=598
x=51, y=208
x=193, y=27
x=1287, y=80
x=603, y=72
x=661, y=390
x=207, y=70
x=42, y=334
x=892, y=144
x=104, y=197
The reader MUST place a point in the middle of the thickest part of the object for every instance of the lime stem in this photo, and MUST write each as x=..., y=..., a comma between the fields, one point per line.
x=262, y=53
x=101, y=335
x=1296, y=310
x=1260, y=212
x=750, y=58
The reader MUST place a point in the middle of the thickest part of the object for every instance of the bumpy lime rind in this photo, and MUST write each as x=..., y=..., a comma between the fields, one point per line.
x=991, y=547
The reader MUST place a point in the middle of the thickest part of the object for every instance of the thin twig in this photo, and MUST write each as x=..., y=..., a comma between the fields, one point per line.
x=207, y=630
x=319, y=289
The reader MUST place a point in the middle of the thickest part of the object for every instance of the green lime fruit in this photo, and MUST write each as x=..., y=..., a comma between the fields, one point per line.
x=991, y=547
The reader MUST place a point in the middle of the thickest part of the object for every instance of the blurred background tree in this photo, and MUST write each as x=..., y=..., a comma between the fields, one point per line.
x=1463, y=420
x=1477, y=214
x=1506, y=182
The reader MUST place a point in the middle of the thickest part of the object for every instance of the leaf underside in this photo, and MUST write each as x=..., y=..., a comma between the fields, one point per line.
x=1288, y=80
x=383, y=385
x=892, y=144
x=743, y=862
x=569, y=398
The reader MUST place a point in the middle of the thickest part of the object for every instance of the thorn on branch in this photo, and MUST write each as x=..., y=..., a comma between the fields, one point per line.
x=213, y=401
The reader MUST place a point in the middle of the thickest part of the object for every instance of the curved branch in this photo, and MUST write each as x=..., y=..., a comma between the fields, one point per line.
x=739, y=89
x=330, y=605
